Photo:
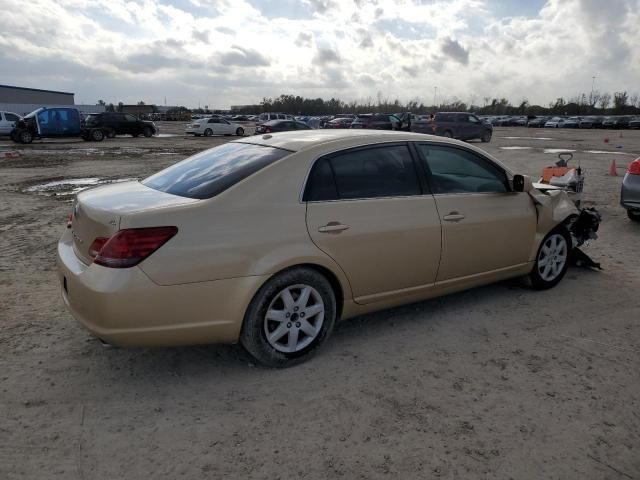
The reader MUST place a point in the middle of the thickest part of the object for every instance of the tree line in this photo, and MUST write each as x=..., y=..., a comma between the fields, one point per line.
x=596, y=103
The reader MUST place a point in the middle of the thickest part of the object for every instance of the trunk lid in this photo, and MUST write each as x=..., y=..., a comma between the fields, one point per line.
x=97, y=212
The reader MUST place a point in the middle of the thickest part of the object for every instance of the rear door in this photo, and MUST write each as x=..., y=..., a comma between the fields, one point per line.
x=368, y=210
x=485, y=225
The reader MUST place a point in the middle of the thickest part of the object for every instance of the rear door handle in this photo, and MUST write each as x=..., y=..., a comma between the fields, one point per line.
x=333, y=227
x=453, y=217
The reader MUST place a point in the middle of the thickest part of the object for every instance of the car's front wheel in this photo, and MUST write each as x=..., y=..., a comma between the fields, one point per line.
x=486, y=137
x=289, y=318
x=24, y=136
x=147, y=132
x=634, y=215
x=97, y=135
x=208, y=132
x=240, y=131
x=552, y=260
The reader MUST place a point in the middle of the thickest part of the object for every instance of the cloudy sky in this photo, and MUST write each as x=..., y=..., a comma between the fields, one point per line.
x=228, y=52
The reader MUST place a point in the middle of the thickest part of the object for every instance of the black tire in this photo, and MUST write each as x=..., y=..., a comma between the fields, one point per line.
x=240, y=131
x=447, y=134
x=110, y=133
x=633, y=215
x=97, y=135
x=147, y=132
x=536, y=279
x=24, y=136
x=486, y=137
x=208, y=132
x=253, y=337
x=12, y=135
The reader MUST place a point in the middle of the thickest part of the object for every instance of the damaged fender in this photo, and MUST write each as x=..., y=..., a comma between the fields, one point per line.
x=553, y=208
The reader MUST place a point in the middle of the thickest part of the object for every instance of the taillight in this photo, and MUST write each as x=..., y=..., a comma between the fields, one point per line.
x=96, y=246
x=634, y=167
x=127, y=248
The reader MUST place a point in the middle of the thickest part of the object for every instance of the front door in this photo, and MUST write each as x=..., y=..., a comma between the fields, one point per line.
x=368, y=210
x=485, y=225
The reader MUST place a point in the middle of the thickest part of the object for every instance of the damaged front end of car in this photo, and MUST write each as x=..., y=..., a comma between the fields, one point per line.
x=555, y=208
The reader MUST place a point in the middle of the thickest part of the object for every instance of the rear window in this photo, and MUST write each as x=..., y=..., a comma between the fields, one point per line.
x=211, y=172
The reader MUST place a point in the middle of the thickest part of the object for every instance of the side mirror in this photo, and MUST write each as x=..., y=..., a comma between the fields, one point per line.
x=522, y=183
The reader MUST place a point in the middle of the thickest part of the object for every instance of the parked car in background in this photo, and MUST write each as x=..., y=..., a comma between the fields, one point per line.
x=630, y=195
x=572, y=122
x=585, y=122
x=341, y=122
x=634, y=123
x=55, y=122
x=115, y=123
x=460, y=125
x=537, y=122
x=616, y=122
x=7, y=122
x=214, y=126
x=555, y=122
x=596, y=121
x=274, y=126
x=267, y=117
x=378, y=121
x=422, y=124
x=269, y=241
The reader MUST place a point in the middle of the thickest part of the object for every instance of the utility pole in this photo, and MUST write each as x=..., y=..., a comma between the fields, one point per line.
x=593, y=81
x=435, y=92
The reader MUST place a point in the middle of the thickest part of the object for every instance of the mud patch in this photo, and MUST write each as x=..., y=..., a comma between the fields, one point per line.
x=515, y=148
x=70, y=186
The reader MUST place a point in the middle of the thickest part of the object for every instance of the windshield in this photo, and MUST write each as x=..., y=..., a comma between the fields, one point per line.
x=209, y=173
x=34, y=113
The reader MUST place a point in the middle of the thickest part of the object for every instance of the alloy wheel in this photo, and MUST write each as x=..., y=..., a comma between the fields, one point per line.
x=294, y=318
x=552, y=257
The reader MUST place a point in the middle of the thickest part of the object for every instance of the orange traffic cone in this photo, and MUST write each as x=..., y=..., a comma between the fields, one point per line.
x=612, y=169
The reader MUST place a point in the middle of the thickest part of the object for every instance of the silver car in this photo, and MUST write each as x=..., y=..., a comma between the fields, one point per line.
x=630, y=196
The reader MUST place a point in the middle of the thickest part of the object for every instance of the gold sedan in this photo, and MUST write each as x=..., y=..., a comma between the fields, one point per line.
x=269, y=240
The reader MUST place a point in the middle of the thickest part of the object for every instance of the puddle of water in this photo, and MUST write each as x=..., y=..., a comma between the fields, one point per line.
x=558, y=150
x=516, y=148
x=604, y=152
x=529, y=138
x=71, y=186
x=165, y=135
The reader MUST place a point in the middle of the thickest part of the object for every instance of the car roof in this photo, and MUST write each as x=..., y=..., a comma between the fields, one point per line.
x=332, y=139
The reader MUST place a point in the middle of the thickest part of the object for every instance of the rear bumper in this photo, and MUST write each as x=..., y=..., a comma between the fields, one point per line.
x=124, y=307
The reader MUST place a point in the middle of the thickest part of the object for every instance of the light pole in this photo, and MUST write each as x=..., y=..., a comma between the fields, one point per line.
x=593, y=81
x=435, y=92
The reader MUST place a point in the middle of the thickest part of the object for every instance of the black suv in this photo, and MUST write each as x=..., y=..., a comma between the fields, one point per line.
x=114, y=123
x=463, y=126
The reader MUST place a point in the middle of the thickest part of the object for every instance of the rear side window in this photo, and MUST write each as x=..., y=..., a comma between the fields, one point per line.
x=459, y=171
x=386, y=171
x=10, y=117
x=209, y=173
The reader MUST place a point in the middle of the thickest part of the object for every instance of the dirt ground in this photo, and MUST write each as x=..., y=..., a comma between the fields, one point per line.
x=499, y=382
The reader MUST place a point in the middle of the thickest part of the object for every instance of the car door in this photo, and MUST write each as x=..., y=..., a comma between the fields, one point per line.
x=368, y=210
x=475, y=127
x=132, y=124
x=225, y=127
x=485, y=225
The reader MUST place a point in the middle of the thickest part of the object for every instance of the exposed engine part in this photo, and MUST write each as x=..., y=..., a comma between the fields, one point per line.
x=584, y=227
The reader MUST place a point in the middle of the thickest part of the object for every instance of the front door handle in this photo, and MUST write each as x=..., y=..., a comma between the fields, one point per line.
x=453, y=217
x=333, y=227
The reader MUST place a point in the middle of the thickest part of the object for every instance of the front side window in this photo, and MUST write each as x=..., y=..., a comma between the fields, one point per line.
x=11, y=117
x=460, y=171
x=473, y=119
x=211, y=172
x=130, y=118
x=375, y=172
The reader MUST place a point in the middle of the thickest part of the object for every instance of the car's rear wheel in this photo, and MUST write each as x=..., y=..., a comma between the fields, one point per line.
x=634, y=215
x=147, y=132
x=552, y=260
x=97, y=135
x=486, y=137
x=289, y=318
x=208, y=132
x=448, y=134
x=240, y=132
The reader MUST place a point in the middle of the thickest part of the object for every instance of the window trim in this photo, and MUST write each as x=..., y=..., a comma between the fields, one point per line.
x=425, y=189
x=427, y=170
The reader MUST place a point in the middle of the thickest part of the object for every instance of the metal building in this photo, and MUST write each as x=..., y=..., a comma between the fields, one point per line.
x=21, y=95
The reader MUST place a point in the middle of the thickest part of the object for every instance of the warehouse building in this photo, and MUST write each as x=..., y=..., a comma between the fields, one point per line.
x=22, y=100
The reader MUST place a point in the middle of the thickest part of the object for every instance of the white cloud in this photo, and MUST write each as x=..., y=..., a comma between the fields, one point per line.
x=225, y=52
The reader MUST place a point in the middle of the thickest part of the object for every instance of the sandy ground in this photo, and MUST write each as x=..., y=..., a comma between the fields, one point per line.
x=498, y=382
